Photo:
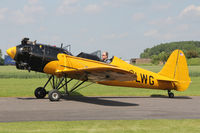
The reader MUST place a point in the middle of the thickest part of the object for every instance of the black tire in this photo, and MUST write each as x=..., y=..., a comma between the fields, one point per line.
x=40, y=93
x=54, y=95
x=171, y=95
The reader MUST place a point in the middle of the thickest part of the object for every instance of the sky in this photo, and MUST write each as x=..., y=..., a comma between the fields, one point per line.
x=124, y=28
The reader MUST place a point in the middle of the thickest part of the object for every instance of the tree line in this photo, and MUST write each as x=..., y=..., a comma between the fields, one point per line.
x=162, y=51
x=1, y=59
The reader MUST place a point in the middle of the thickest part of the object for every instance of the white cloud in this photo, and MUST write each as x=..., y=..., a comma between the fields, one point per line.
x=155, y=34
x=191, y=10
x=93, y=8
x=22, y=18
x=183, y=27
x=32, y=1
x=56, y=38
x=92, y=40
x=110, y=36
x=138, y=16
x=41, y=29
x=151, y=33
x=178, y=26
x=168, y=36
x=84, y=30
x=123, y=35
x=116, y=36
x=163, y=21
x=2, y=13
x=28, y=14
x=119, y=3
x=68, y=7
x=31, y=9
x=162, y=6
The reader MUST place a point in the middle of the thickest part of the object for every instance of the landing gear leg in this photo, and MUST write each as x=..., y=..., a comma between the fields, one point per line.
x=170, y=94
x=57, y=84
x=55, y=94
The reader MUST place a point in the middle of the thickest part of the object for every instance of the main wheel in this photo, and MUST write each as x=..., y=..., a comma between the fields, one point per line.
x=171, y=95
x=54, y=95
x=40, y=92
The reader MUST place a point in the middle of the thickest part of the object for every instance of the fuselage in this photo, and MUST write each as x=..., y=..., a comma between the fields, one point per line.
x=41, y=58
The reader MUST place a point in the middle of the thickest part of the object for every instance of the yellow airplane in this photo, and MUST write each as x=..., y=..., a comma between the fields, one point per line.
x=62, y=65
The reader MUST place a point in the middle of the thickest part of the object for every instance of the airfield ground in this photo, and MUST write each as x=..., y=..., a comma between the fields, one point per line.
x=99, y=108
x=101, y=115
x=21, y=84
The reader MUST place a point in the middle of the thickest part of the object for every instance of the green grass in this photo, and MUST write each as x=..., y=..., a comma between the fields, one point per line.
x=102, y=126
x=13, y=72
x=26, y=87
x=193, y=61
x=14, y=87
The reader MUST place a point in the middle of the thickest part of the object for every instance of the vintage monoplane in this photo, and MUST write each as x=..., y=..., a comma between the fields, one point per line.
x=62, y=65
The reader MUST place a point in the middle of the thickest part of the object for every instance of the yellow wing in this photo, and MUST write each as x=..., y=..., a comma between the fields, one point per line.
x=85, y=69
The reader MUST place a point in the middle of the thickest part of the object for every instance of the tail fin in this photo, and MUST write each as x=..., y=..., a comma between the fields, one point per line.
x=176, y=68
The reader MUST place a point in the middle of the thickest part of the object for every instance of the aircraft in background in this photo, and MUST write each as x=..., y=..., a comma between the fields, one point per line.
x=64, y=67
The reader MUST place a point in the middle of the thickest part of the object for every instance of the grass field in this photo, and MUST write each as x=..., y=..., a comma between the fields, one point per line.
x=101, y=126
x=13, y=72
x=193, y=61
x=22, y=83
x=25, y=88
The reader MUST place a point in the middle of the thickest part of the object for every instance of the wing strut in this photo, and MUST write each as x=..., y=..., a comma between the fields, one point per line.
x=74, y=88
